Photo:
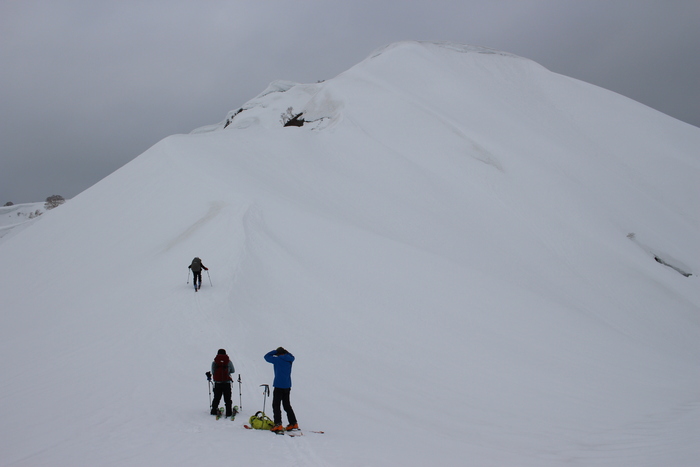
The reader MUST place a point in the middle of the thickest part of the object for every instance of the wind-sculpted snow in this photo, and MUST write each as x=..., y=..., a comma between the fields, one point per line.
x=444, y=246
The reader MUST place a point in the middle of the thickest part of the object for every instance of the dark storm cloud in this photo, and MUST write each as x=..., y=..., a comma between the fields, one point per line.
x=86, y=86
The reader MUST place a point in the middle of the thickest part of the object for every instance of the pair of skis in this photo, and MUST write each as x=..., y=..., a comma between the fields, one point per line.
x=291, y=433
x=294, y=433
x=220, y=413
x=301, y=433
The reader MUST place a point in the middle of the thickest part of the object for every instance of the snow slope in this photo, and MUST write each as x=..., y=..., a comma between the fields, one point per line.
x=17, y=217
x=458, y=247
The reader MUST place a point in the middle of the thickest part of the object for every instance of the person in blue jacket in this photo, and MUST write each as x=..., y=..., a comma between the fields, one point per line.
x=282, y=361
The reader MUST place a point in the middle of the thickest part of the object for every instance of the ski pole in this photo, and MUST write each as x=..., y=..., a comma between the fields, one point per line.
x=266, y=392
x=209, y=381
x=188, y=276
x=240, y=402
x=209, y=278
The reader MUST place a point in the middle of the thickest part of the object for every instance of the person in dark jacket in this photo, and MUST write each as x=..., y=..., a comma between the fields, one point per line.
x=196, y=266
x=282, y=361
x=221, y=369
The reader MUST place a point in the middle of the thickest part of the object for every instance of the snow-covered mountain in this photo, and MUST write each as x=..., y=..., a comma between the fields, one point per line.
x=473, y=259
x=17, y=217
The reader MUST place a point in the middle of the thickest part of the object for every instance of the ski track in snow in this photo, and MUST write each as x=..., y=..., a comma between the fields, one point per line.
x=214, y=210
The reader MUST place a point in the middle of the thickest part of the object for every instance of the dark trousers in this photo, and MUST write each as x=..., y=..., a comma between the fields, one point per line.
x=222, y=389
x=197, y=275
x=281, y=396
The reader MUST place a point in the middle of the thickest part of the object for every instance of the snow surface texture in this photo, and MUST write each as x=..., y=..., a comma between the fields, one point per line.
x=458, y=247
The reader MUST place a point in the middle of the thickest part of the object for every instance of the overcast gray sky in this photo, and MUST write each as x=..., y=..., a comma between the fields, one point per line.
x=86, y=86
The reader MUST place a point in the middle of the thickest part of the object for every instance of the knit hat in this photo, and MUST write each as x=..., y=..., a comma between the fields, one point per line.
x=221, y=352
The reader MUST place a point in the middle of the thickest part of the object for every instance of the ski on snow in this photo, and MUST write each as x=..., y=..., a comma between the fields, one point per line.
x=220, y=413
x=291, y=433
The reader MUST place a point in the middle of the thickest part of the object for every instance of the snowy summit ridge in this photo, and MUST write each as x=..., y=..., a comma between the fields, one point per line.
x=451, y=46
x=317, y=111
x=471, y=257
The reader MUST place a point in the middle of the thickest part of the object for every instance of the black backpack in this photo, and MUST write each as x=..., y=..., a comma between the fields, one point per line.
x=196, y=265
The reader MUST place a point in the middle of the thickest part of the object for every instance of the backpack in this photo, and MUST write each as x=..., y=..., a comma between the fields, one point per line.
x=260, y=421
x=196, y=265
x=221, y=368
